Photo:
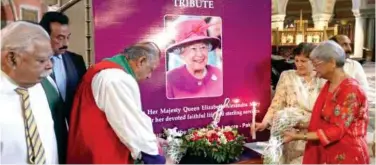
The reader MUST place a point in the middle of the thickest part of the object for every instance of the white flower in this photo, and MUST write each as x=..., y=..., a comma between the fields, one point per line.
x=223, y=139
x=178, y=134
x=208, y=142
x=173, y=132
x=200, y=134
x=174, y=149
x=204, y=130
x=228, y=128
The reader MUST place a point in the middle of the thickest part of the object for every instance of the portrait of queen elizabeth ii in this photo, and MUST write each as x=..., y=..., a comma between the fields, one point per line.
x=195, y=78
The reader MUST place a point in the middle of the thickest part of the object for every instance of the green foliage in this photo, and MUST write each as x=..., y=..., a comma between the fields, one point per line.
x=219, y=149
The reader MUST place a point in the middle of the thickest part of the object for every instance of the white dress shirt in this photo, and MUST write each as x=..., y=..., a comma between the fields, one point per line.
x=13, y=147
x=355, y=70
x=117, y=95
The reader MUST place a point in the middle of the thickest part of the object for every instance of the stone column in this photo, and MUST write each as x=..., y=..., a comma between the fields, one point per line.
x=278, y=21
x=360, y=29
x=371, y=33
x=321, y=20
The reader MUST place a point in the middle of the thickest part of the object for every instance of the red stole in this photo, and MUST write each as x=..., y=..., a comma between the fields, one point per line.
x=91, y=139
x=312, y=150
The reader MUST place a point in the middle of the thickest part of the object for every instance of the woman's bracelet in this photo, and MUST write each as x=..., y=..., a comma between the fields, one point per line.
x=305, y=136
x=301, y=125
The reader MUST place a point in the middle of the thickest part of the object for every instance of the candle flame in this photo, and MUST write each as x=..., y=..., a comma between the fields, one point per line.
x=236, y=100
x=254, y=104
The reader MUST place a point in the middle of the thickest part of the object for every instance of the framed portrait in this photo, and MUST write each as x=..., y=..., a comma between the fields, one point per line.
x=29, y=13
x=194, y=57
x=51, y=2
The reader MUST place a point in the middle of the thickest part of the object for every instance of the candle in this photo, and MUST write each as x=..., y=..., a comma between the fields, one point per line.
x=253, y=125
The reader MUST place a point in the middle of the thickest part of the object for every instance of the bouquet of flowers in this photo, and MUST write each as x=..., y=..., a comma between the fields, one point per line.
x=283, y=120
x=213, y=143
x=175, y=149
x=220, y=144
x=273, y=151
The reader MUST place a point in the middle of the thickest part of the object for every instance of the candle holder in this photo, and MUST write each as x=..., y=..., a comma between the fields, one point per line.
x=218, y=114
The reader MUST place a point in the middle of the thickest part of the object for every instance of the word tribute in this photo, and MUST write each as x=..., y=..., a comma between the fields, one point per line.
x=194, y=3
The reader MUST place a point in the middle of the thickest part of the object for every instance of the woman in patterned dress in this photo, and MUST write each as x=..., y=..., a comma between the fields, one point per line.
x=338, y=125
x=296, y=89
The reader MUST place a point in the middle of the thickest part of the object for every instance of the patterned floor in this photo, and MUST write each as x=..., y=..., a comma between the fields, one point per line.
x=369, y=68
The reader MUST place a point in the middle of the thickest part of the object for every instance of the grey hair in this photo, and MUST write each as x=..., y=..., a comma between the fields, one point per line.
x=20, y=36
x=148, y=49
x=328, y=50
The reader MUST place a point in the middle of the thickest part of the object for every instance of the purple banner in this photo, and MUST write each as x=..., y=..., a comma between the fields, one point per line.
x=212, y=50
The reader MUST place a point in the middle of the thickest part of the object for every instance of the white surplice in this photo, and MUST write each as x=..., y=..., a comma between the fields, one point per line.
x=117, y=94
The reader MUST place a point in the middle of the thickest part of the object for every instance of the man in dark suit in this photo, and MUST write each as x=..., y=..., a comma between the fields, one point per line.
x=68, y=67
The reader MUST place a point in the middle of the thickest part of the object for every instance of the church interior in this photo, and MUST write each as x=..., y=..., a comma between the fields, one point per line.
x=313, y=21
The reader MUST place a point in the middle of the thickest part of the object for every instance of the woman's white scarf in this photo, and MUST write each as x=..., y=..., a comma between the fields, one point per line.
x=305, y=98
